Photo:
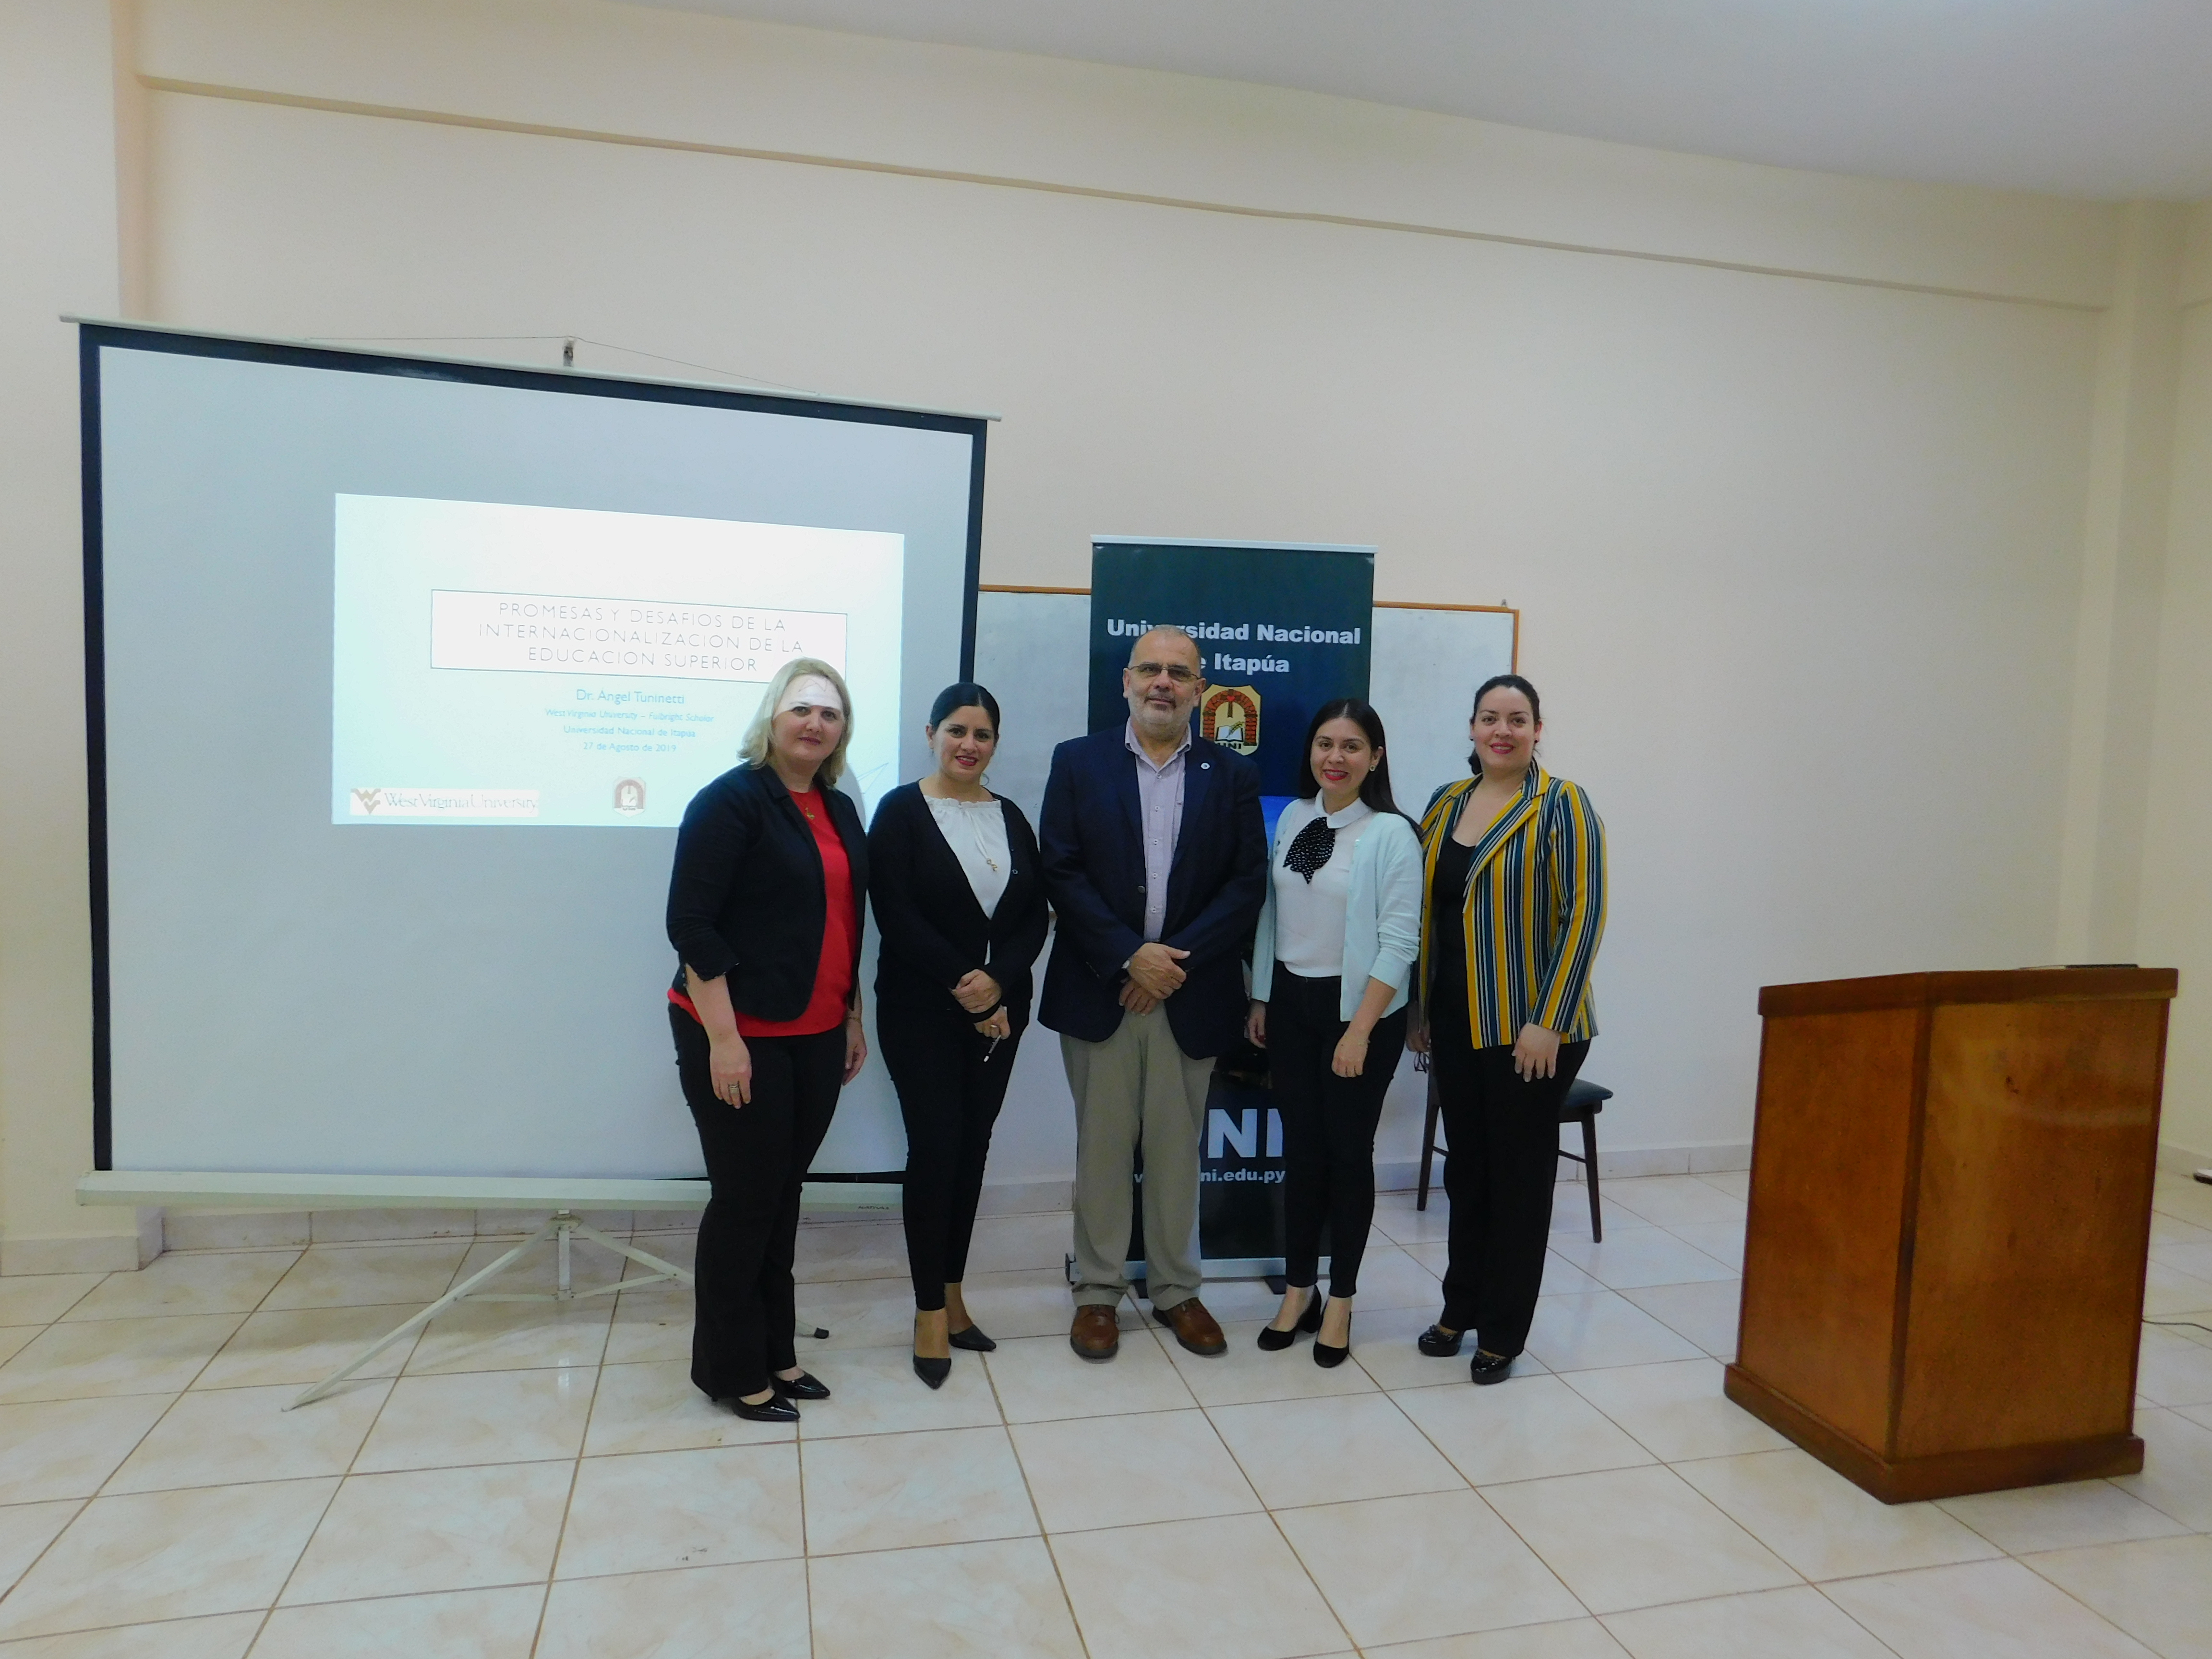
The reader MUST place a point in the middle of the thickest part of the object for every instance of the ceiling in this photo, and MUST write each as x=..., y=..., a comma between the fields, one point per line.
x=2102, y=98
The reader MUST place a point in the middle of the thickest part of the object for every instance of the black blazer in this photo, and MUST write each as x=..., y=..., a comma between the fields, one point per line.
x=1094, y=874
x=932, y=931
x=746, y=897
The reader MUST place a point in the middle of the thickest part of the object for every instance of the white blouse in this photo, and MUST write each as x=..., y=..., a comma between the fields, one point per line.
x=1310, y=916
x=975, y=830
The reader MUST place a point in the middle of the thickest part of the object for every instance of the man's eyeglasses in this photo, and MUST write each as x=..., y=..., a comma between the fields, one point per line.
x=1174, y=670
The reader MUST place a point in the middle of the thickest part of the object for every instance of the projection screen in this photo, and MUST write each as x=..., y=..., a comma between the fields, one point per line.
x=400, y=673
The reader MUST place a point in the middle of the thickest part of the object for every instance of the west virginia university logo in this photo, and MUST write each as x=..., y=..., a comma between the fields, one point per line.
x=1230, y=715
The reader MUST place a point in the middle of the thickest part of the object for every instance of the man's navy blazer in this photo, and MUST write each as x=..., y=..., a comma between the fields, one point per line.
x=1094, y=873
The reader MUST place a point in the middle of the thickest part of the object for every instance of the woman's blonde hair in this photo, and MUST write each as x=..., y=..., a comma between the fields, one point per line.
x=755, y=747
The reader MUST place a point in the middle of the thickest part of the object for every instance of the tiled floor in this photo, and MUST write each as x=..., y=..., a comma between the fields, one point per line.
x=521, y=1482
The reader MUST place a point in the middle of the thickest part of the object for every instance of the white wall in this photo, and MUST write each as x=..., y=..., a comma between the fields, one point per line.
x=1800, y=555
x=1797, y=559
x=2176, y=906
x=57, y=253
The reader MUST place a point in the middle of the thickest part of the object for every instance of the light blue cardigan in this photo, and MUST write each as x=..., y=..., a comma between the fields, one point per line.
x=1381, y=913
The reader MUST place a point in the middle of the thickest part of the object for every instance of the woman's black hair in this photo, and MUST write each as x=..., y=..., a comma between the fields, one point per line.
x=1510, y=683
x=962, y=694
x=1375, y=790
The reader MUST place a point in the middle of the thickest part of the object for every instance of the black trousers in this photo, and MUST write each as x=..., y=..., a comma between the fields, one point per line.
x=1503, y=1161
x=1328, y=1126
x=948, y=1095
x=757, y=1156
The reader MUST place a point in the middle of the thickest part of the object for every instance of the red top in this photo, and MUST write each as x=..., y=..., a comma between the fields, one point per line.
x=833, y=974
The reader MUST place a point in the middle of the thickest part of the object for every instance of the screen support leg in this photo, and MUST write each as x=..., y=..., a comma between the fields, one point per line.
x=560, y=1226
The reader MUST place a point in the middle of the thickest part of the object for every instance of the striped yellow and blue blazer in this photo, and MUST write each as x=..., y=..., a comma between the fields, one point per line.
x=1535, y=909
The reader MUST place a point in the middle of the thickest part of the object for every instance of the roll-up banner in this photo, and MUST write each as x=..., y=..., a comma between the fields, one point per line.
x=1282, y=627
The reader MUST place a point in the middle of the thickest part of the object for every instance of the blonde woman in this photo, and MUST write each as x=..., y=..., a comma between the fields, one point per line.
x=764, y=911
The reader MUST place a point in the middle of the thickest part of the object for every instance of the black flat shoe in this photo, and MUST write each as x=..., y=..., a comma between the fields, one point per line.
x=801, y=1386
x=774, y=1409
x=932, y=1371
x=1326, y=1357
x=1487, y=1368
x=1274, y=1341
x=973, y=1339
x=1438, y=1343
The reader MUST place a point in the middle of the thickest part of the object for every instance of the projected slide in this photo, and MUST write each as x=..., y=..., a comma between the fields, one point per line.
x=508, y=665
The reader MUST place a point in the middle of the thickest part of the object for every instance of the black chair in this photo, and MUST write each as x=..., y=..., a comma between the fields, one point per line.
x=1584, y=1101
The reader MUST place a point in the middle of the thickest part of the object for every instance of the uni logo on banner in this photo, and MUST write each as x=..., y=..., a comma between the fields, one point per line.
x=1230, y=715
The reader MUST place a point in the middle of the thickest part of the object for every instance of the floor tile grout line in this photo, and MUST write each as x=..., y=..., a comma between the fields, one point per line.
x=2007, y=1556
x=1692, y=1243
x=1029, y=1487
x=337, y=1484
x=2140, y=1498
x=1275, y=1521
x=1725, y=1516
x=1357, y=1646
x=561, y=1532
x=2019, y=1555
x=1535, y=1554
x=203, y=1485
x=195, y=1375
x=352, y=1470
x=806, y=1538
x=83, y=1504
x=21, y=1641
x=1730, y=1595
x=1855, y=1618
x=97, y=1282
x=1268, y=1510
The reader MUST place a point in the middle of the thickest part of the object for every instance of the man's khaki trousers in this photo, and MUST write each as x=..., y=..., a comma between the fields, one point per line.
x=1137, y=1088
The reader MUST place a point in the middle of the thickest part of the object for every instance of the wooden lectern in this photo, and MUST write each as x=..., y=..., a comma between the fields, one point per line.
x=1950, y=1215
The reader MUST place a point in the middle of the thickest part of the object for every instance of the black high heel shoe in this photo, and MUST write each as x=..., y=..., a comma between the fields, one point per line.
x=1486, y=1368
x=1274, y=1341
x=805, y=1386
x=1326, y=1357
x=774, y=1409
x=1438, y=1343
x=973, y=1339
x=932, y=1371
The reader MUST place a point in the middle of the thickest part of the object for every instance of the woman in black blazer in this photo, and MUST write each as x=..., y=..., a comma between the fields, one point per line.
x=764, y=911
x=962, y=915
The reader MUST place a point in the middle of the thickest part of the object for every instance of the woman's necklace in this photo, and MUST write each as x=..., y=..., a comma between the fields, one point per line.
x=975, y=830
x=982, y=848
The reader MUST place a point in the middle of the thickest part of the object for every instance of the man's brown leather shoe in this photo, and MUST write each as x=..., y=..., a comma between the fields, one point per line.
x=1095, y=1334
x=1192, y=1326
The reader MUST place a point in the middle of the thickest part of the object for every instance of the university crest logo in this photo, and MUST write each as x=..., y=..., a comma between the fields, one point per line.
x=1230, y=715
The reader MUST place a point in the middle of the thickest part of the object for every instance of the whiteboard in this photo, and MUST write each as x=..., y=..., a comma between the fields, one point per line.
x=1427, y=662
x=1032, y=652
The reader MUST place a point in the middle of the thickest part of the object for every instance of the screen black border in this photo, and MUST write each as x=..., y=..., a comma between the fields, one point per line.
x=92, y=337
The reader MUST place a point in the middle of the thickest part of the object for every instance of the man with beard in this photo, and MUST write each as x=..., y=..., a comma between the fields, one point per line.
x=1155, y=858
